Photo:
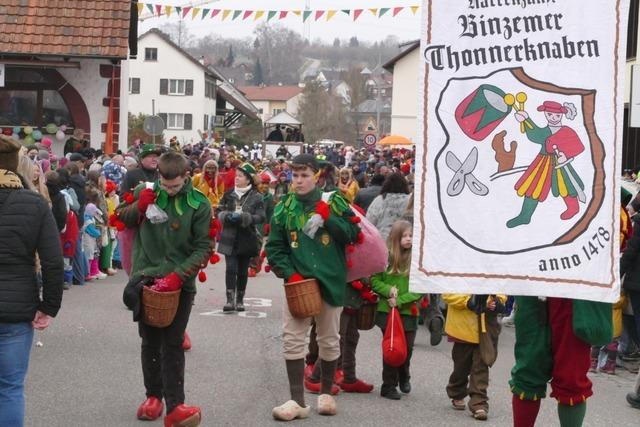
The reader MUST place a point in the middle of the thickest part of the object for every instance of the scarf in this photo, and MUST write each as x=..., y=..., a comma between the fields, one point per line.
x=240, y=192
x=212, y=182
x=9, y=179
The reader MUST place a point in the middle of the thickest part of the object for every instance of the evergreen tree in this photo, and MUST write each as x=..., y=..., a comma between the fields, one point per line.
x=230, y=57
x=257, y=74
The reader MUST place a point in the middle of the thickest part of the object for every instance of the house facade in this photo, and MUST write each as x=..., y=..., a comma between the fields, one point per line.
x=272, y=100
x=63, y=71
x=404, y=103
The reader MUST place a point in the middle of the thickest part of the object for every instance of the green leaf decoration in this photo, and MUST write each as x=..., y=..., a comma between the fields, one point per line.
x=176, y=205
x=162, y=200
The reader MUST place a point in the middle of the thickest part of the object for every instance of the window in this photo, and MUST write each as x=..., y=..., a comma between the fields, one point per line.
x=151, y=54
x=205, y=127
x=176, y=121
x=632, y=29
x=176, y=87
x=209, y=89
x=277, y=111
x=134, y=85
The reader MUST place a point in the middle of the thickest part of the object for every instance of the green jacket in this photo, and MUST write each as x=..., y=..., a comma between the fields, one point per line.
x=382, y=283
x=291, y=251
x=181, y=244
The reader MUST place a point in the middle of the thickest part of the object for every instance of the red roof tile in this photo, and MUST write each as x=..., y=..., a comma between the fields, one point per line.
x=270, y=93
x=65, y=27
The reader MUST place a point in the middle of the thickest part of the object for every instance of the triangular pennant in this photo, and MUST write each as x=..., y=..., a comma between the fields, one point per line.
x=236, y=13
x=247, y=13
x=259, y=14
x=383, y=10
x=178, y=10
x=150, y=7
x=283, y=14
x=225, y=13
x=214, y=13
x=297, y=12
x=158, y=9
x=167, y=10
x=374, y=11
x=319, y=14
x=397, y=10
x=194, y=12
x=346, y=11
x=330, y=14
x=414, y=9
x=185, y=11
x=357, y=13
x=140, y=7
x=306, y=15
x=205, y=12
x=271, y=14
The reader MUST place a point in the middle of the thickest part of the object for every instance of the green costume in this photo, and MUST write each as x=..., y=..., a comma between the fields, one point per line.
x=290, y=250
x=381, y=284
x=180, y=244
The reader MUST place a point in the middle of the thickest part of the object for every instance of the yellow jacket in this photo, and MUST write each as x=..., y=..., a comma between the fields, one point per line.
x=462, y=323
x=214, y=195
x=349, y=190
x=617, y=315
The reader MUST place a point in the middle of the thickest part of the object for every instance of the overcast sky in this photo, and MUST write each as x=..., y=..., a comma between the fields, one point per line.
x=405, y=26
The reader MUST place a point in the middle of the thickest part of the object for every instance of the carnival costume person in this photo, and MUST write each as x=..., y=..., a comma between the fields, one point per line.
x=170, y=249
x=308, y=239
x=551, y=170
x=553, y=343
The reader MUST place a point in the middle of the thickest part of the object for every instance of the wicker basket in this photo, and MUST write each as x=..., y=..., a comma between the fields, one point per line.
x=303, y=298
x=159, y=308
x=366, y=316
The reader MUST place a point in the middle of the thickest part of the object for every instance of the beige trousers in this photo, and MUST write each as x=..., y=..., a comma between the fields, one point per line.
x=294, y=333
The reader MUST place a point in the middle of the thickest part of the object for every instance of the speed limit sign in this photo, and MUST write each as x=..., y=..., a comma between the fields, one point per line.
x=370, y=140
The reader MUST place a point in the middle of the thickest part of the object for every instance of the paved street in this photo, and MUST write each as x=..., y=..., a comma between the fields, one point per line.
x=87, y=372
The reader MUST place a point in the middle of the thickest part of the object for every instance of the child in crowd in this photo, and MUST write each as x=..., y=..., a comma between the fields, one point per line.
x=470, y=375
x=91, y=240
x=393, y=286
x=107, y=254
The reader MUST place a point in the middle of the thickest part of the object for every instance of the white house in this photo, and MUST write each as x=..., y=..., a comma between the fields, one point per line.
x=272, y=100
x=404, y=102
x=191, y=98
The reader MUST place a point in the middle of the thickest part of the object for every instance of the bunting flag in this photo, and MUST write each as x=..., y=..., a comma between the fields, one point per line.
x=317, y=14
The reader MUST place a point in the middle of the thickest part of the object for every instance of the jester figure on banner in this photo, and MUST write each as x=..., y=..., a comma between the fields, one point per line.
x=553, y=335
x=551, y=170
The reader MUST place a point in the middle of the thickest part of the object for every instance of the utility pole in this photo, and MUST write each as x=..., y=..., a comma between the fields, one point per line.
x=307, y=24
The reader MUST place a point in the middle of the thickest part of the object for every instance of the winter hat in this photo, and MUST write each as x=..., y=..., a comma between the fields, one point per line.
x=306, y=160
x=130, y=161
x=248, y=170
x=9, y=152
x=43, y=154
x=90, y=210
x=148, y=149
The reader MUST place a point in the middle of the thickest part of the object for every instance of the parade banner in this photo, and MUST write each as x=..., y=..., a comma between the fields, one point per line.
x=518, y=171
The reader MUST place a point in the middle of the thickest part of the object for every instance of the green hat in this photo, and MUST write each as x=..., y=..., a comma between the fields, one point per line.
x=148, y=149
x=247, y=169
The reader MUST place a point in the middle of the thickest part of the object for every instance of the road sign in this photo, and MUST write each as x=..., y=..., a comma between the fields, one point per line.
x=370, y=140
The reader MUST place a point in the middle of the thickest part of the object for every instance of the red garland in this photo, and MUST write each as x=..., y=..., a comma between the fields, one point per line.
x=128, y=198
x=323, y=209
x=215, y=258
x=202, y=277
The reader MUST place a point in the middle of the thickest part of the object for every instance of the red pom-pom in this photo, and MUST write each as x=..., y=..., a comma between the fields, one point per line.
x=263, y=254
x=128, y=198
x=295, y=277
x=357, y=285
x=355, y=219
x=113, y=219
x=350, y=249
x=424, y=303
x=349, y=263
x=120, y=226
x=202, y=277
x=414, y=309
x=267, y=268
x=214, y=259
x=360, y=237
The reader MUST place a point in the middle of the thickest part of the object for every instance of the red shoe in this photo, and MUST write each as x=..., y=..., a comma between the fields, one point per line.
x=315, y=387
x=357, y=387
x=308, y=370
x=151, y=409
x=338, y=378
x=252, y=272
x=186, y=342
x=183, y=416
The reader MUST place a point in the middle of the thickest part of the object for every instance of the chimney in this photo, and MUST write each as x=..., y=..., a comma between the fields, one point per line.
x=201, y=59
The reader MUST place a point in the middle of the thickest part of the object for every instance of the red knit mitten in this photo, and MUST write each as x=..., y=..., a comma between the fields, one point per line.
x=146, y=198
x=323, y=209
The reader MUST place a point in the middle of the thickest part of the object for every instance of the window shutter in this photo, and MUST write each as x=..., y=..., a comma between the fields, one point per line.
x=135, y=85
x=165, y=119
x=188, y=87
x=206, y=123
x=164, y=86
x=188, y=120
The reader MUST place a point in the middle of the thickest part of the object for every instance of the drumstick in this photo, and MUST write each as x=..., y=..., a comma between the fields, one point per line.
x=521, y=97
